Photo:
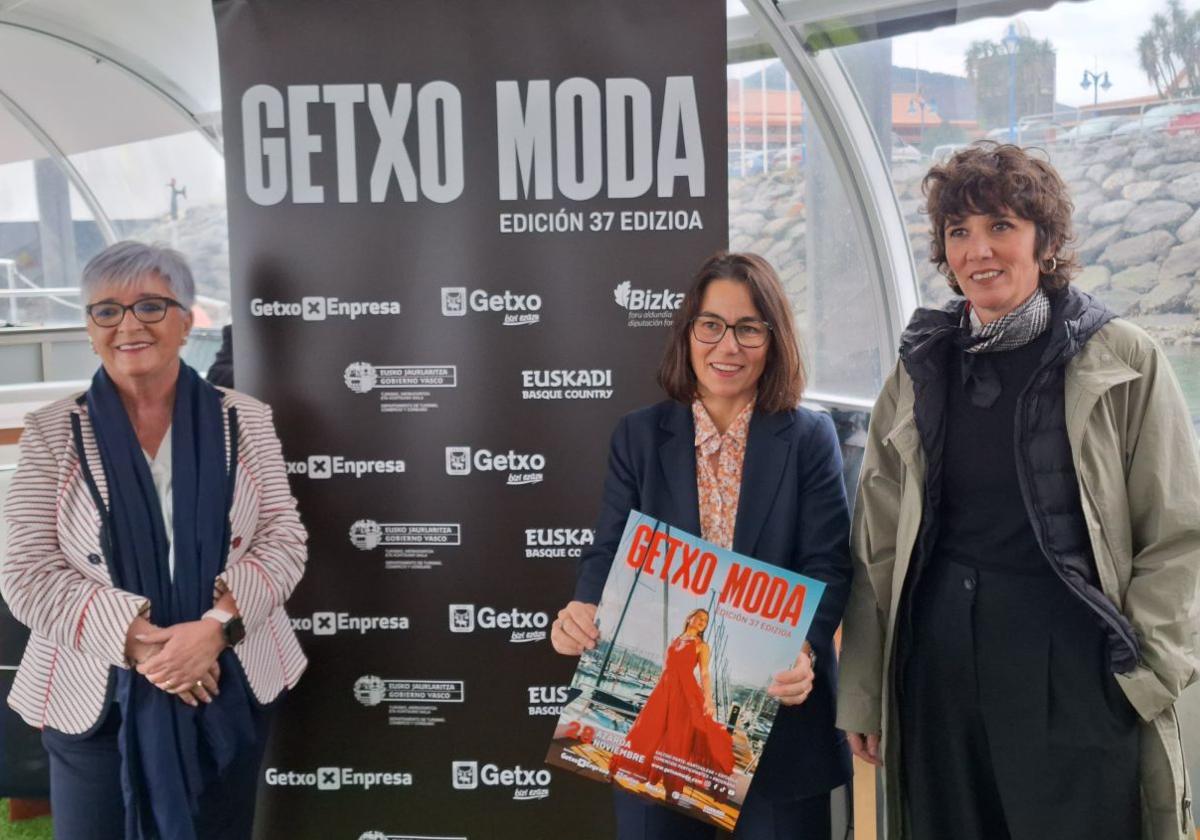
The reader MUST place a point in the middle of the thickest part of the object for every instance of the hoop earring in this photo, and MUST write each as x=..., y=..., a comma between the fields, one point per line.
x=1053, y=266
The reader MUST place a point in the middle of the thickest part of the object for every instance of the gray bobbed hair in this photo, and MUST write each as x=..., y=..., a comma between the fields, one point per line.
x=124, y=263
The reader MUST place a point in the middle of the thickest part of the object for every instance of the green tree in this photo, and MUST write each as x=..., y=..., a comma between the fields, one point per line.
x=988, y=69
x=1169, y=51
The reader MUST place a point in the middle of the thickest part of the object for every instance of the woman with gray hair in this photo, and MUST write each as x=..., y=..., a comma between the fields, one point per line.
x=152, y=544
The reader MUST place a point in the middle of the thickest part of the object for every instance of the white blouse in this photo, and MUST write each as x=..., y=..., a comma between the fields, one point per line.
x=160, y=471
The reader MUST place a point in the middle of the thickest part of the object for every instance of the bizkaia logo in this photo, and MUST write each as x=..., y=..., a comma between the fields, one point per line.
x=522, y=468
x=580, y=384
x=647, y=307
x=557, y=543
x=336, y=778
x=525, y=784
x=329, y=466
x=523, y=626
x=519, y=310
x=547, y=699
x=322, y=308
x=331, y=623
x=371, y=690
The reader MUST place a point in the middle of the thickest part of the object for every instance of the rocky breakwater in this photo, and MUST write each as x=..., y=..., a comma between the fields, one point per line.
x=767, y=216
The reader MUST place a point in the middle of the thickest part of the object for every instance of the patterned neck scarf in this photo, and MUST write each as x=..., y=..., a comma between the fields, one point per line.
x=1016, y=329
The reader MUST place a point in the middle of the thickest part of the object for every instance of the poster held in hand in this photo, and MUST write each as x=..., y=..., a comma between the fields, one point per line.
x=672, y=704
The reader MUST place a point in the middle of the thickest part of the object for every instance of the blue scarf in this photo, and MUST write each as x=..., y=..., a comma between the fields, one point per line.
x=171, y=752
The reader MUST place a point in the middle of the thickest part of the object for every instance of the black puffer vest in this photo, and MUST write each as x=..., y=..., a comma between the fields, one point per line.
x=1045, y=470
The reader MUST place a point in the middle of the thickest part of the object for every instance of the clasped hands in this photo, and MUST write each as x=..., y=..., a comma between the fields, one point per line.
x=180, y=659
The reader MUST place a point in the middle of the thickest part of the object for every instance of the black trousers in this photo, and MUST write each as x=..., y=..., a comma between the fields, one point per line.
x=85, y=787
x=761, y=819
x=1012, y=727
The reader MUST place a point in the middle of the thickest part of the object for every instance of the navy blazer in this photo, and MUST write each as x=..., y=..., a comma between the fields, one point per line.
x=792, y=512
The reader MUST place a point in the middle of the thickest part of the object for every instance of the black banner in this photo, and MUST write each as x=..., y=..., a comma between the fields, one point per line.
x=458, y=232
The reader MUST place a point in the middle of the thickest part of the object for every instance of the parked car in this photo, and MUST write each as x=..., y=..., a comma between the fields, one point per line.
x=1186, y=122
x=779, y=157
x=1089, y=131
x=751, y=159
x=1036, y=132
x=942, y=153
x=904, y=153
x=1158, y=118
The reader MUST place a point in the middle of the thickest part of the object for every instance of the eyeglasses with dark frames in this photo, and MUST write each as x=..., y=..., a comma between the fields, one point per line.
x=150, y=310
x=750, y=333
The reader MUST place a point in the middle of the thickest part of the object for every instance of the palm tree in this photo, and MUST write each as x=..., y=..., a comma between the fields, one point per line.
x=1169, y=51
x=1149, y=60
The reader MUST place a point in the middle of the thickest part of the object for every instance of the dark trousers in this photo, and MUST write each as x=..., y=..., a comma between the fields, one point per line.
x=85, y=787
x=1012, y=727
x=761, y=819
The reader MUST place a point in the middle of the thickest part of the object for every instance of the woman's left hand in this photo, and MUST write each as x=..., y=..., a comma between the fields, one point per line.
x=188, y=653
x=793, y=686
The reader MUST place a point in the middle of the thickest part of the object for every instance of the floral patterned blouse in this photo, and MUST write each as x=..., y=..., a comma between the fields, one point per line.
x=719, y=459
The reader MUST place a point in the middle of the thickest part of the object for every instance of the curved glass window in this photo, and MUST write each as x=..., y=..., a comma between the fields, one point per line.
x=170, y=190
x=787, y=204
x=1104, y=92
x=47, y=234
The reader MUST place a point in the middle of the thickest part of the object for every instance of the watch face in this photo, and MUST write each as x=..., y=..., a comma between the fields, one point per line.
x=235, y=631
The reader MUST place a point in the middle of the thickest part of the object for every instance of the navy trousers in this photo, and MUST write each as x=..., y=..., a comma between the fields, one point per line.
x=761, y=819
x=85, y=786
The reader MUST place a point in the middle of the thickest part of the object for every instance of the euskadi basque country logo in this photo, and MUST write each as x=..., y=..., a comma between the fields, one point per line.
x=582, y=384
x=325, y=623
x=379, y=835
x=522, y=626
x=363, y=377
x=336, y=778
x=521, y=467
x=367, y=534
x=525, y=784
x=322, y=308
x=547, y=700
x=331, y=466
x=557, y=543
x=371, y=690
x=516, y=309
x=647, y=307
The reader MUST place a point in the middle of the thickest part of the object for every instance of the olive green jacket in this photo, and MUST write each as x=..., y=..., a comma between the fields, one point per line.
x=1135, y=455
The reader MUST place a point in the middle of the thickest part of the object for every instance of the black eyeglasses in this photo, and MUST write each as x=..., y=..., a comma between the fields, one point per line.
x=709, y=329
x=149, y=310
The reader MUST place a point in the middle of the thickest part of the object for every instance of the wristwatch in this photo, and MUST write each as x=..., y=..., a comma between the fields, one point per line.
x=232, y=628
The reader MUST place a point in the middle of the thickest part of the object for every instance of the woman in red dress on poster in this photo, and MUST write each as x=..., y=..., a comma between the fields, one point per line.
x=677, y=721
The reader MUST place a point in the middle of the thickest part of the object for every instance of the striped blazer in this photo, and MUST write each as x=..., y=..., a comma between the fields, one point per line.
x=56, y=582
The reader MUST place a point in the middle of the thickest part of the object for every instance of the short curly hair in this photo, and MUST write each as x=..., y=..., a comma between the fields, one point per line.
x=988, y=178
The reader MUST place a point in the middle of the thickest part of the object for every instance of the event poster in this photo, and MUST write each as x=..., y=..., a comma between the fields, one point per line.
x=458, y=236
x=672, y=703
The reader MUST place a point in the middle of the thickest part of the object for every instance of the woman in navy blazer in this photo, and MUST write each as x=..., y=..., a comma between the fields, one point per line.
x=734, y=344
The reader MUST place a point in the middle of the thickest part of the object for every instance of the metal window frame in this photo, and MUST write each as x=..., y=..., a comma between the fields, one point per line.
x=837, y=110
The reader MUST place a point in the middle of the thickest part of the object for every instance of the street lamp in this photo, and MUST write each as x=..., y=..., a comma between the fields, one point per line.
x=1011, y=41
x=1096, y=81
x=919, y=101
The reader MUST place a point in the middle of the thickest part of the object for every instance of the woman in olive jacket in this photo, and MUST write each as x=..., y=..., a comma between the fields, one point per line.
x=1065, y=725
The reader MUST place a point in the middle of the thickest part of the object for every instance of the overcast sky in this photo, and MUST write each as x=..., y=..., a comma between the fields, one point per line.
x=1096, y=35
